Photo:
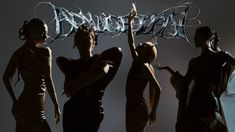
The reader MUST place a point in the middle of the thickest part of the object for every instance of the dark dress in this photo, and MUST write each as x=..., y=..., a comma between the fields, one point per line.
x=200, y=111
x=29, y=108
x=136, y=107
x=84, y=112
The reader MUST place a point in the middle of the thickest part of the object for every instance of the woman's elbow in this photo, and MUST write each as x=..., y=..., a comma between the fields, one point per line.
x=158, y=89
x=6, y=78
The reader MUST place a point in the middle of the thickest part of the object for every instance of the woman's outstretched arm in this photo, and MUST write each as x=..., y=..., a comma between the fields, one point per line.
x=171, y=71
x=131, y=41
x=98, y=69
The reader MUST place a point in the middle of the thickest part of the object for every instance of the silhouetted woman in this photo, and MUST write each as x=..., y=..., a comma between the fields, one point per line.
x=85, y=81
x=140, y=74
x=33, y=62
x=199, y=110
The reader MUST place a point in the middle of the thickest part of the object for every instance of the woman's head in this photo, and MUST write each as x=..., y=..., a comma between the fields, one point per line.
x=85, y=38
x=146, y=51
x=35, y=31
x=202, y=35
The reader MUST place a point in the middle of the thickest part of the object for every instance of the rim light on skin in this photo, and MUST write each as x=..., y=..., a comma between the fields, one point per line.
x=44, y=33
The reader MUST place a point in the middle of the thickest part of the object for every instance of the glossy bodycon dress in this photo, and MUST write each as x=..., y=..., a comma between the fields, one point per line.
x=29, y=108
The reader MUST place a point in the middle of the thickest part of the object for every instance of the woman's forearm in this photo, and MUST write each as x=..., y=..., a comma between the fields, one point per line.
x=131, y=39
x=52, y=92
x=157, y=92
x=86, y=79
x=9, y=89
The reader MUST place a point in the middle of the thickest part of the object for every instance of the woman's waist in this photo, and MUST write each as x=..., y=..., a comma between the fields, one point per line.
x=86, y=101
x=34, y=82
x=32, y=102
x=37, y=87
x=136, y=101
x=84, y=105
x=32, y=95
x=91, y=94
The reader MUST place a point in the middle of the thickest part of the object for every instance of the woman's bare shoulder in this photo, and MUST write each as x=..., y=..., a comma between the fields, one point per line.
x=145, y=71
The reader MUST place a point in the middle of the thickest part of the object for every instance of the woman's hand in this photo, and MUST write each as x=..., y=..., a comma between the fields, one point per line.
x=14, y=107
x=133, y=13
x=171, y=71
x=57, y=115
x=152, y=117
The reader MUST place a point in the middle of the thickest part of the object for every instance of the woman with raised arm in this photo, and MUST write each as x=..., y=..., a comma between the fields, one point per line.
x=86, y=79
x=199, y=110
x=33, y=62
x=141, y=73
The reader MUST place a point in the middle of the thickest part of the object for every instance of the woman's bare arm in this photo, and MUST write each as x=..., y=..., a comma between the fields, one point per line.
x=89, y=76
x=8, y=74
x=155, y=88
x=131, y=41
x=171, y=71
x=50, y=85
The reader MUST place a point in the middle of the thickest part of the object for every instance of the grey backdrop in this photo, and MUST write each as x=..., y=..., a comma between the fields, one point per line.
x=175, y=52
